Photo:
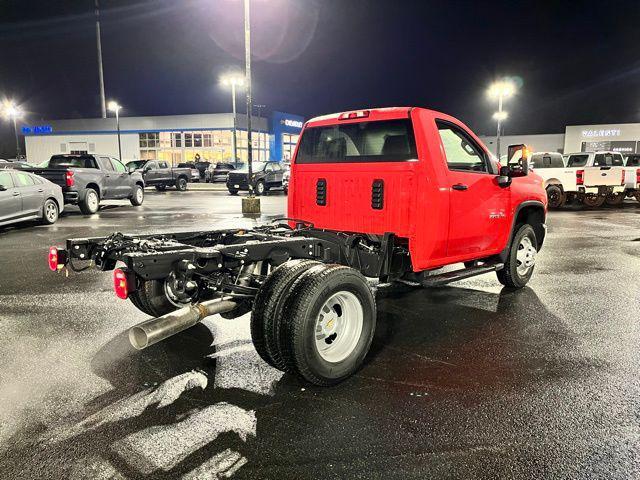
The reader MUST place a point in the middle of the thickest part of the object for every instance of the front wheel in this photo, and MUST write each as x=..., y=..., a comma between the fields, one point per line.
x=181, y=184
x=90, y=202
x=555, y=196
x=233, y=191
x=50, y=212
x=260, y=188
x=138, y=196
x=521, y=259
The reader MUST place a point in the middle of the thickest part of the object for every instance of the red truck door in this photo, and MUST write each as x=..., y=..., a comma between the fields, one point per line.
x=478, y=205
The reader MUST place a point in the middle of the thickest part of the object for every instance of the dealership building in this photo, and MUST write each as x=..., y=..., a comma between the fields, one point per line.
x=619, y=137
x=176, y=138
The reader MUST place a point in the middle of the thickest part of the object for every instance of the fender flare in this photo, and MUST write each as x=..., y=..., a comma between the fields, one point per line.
x=528, y=203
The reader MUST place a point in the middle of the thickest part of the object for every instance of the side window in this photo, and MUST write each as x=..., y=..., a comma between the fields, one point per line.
x=120, y=168
x=24, y=180
x=577, y=160
x=105, y=163
x=269, y=168
x=151, y=165
x=163, y=165
x=5, y=180
x=618, y=161
x=276, y=167
x=461, y=152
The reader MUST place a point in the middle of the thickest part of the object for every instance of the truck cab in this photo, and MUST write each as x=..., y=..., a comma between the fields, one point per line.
x=421, y=174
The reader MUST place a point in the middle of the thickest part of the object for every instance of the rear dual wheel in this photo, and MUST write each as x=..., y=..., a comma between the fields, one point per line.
x=314, y=320
x=615, y=199
x=593, y=201
x=555, y=196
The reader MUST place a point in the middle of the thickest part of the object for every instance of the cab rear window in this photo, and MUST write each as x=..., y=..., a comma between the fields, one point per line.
x=376, y=141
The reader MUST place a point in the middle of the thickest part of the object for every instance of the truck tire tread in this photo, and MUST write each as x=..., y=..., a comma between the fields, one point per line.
x=307, y=292
x=267, y=309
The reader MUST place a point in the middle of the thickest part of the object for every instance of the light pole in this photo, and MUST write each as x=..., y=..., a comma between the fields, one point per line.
x=114, y=107
x=500, y=91
x=233, y=81
x=100, y=69
x=251, y=204
x=13, y=112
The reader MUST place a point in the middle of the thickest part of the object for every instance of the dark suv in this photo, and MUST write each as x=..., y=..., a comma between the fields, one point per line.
x=218, y=172
x=265, y=176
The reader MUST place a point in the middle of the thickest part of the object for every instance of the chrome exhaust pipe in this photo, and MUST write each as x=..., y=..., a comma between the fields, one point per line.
x=155, y=330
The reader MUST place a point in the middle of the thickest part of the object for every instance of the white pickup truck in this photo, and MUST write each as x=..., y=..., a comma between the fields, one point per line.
x=590, y=177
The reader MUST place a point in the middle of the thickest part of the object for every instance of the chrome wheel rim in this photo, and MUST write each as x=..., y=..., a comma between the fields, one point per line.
x=139, y=195
x=92, y=201
x=260, y=188
x=51, y=211
x=338, y=326
x=525, y=256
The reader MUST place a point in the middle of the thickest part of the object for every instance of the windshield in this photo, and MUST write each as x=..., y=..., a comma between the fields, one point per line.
x=577, y=160
x=69, y=161
x=547, y=160
x=382, y=141
x=256, y=167
x=136, y=164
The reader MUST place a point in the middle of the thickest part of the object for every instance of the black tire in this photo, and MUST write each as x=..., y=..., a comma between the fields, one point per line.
x=615, y=199
x=151, y=299
x=285, y=190
x=137, y=197
x=260, y=188
x=50, y=212
x=556, y=197
x=181, y=184
x=267, y=309
x=509, y=275
x=90, y=202
x=161, y=188
x=233, y=192
x=593, y=201
x=302, y=307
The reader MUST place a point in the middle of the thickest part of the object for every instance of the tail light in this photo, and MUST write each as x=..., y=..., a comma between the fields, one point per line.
x=53, y=259
x=579, y=177
x=638, y=176
x=624, y=178
x=121, y=283
x=352, y=115
x=68, y=177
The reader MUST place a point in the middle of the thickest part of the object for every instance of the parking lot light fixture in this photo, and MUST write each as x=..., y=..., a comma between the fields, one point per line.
x=500, y=91
x=13, y=112
x=233, y=81
x=115, y=108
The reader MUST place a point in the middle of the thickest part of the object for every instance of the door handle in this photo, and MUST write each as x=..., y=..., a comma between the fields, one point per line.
x=16, y=194
x=460, y=186
x=40, y=190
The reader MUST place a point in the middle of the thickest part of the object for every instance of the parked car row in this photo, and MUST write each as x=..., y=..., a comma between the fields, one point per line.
x=160, y=174
x=592, y=178
x=25, y=196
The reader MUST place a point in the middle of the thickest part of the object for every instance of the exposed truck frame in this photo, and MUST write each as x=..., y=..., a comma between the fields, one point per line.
x=312, y=307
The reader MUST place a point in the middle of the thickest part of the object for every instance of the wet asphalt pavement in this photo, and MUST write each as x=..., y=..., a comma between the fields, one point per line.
x=467, y=381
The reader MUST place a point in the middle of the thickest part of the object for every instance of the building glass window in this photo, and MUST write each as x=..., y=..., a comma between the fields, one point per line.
x=188, y=139
x=207, y=139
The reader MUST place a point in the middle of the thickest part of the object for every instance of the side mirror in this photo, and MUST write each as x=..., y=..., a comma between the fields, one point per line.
x=518, y=160
x=504, y=179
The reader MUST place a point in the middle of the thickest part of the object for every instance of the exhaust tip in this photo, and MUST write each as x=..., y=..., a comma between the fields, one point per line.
x=138, y=338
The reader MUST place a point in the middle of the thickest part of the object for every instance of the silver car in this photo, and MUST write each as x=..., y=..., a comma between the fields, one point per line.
x=25, y=196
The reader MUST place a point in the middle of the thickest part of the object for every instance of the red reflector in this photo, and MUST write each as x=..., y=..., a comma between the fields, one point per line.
x=579, y=177
x=120, y=284
x=624, y=175
x=352, y=115
x=68, y=177
x=637, y=176
x=53, y=259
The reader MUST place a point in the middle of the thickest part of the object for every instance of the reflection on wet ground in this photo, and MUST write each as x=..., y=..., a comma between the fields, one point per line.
x=467, y=381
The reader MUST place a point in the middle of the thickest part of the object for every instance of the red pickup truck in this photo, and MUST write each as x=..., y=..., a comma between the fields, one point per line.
x=392, y=194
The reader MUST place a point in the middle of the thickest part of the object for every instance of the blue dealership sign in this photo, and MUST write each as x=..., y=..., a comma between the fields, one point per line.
x=36, y=129
x=282, y=123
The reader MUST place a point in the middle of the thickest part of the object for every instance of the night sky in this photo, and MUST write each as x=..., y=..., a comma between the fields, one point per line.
x=577, y=62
